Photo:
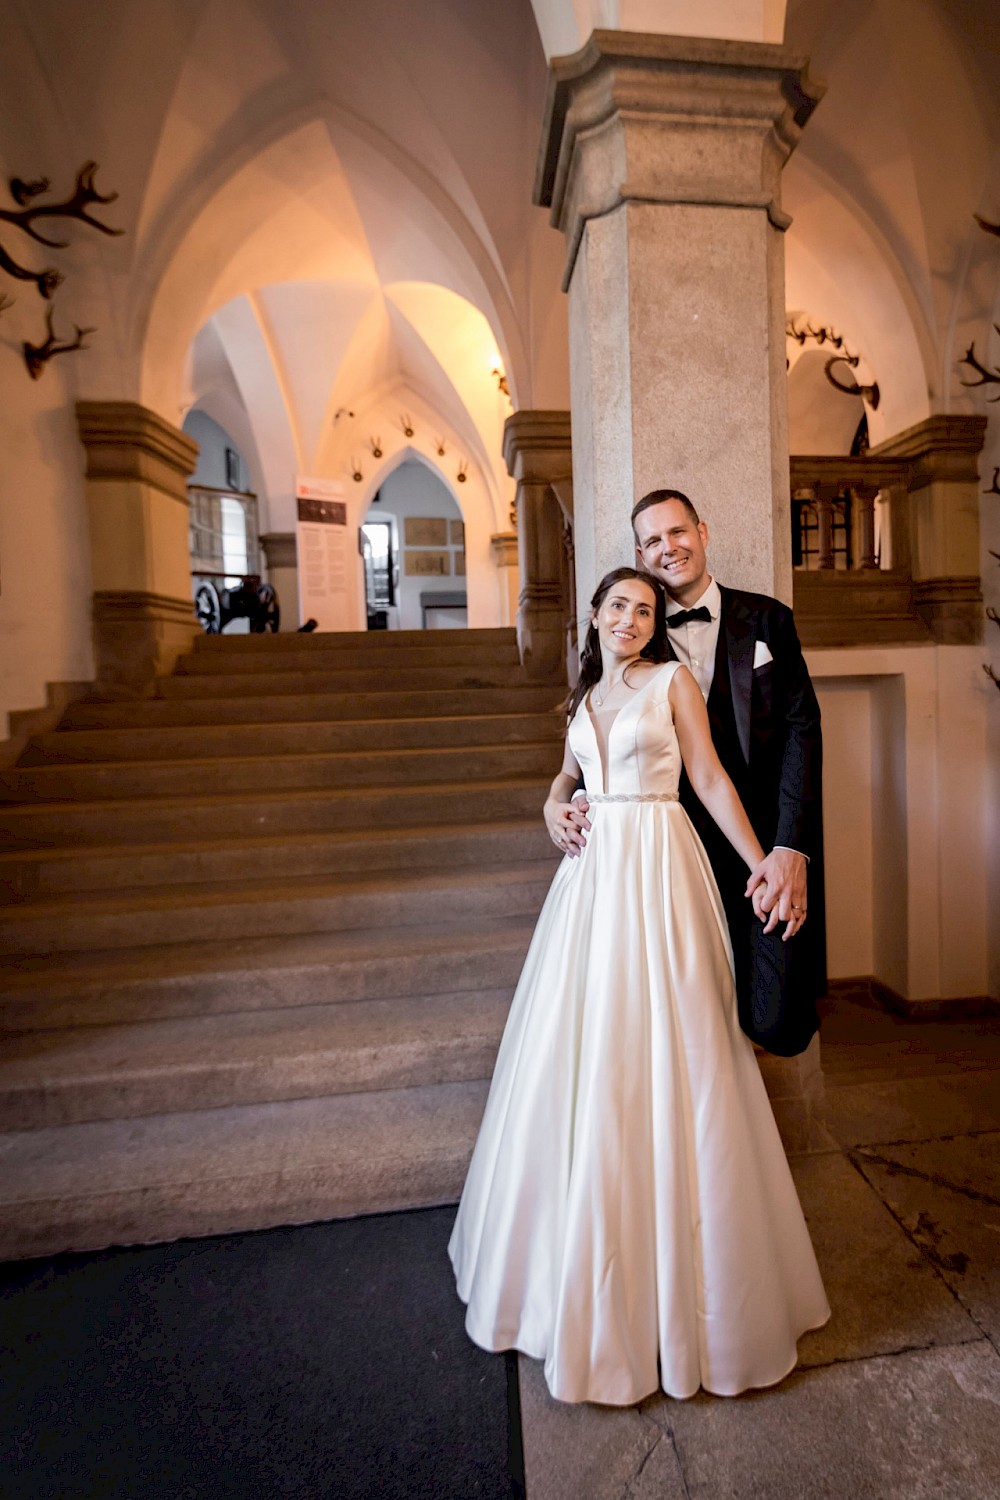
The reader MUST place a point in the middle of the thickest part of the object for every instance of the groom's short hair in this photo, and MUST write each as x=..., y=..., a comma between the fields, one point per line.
x=657, y=497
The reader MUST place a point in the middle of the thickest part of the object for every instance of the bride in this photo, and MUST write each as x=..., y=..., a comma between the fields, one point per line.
x=629, y=1216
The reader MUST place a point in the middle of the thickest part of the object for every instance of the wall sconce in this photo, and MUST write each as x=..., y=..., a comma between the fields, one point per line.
x=375, y=444
x=463, y=466
x=406, y=422
x=501, y=381
x=356, y=472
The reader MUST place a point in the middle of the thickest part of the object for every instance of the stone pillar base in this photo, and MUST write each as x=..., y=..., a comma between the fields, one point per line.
x=137, y=505
x=541, y=638
x=795, y=1088
x=281, y=552
x=503, y=546
x=138, y=637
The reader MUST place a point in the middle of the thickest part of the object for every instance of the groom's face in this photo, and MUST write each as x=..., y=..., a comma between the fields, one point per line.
x=671, y=546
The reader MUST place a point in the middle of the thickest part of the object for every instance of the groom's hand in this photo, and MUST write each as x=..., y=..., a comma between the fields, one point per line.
x=777, y=888
x=567, y=823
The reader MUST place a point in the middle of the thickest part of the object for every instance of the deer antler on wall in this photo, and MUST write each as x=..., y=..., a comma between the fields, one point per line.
x=869, y=393
x=820, y=335
x=37, y=356
x=986, y=377
x=27, y=216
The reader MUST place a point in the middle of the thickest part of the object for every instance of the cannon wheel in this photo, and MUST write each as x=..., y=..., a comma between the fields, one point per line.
x=268, y=616
x=208, y=608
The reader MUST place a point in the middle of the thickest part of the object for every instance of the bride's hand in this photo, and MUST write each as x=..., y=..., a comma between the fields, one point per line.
x=567, y=824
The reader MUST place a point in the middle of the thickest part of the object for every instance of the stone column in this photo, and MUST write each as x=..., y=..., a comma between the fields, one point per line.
x=503, y=545
x=281, y=552
x=537, y=451
x=944, y=523
x=137, y=503
x=661, y=162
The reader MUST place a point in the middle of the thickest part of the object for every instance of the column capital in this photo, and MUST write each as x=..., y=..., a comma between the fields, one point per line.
x=280, y=549
x=538, y=447
x=126, y=441
x=503, y=545
x=939, y=447
x=643, y=118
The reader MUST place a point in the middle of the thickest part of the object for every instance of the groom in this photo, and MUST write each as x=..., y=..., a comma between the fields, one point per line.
x=745, y=656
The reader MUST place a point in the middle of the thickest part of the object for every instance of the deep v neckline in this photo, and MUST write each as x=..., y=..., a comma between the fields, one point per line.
x=650, y=678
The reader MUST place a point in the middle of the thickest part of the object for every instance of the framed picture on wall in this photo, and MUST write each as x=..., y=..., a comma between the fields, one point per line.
x=425, y=531
x=426, y=564
x=232, y=469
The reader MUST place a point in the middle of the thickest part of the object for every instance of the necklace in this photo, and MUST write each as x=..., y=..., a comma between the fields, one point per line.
x=600, y=701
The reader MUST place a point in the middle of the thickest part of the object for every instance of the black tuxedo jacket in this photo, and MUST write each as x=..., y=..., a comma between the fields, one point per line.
x=775, y=763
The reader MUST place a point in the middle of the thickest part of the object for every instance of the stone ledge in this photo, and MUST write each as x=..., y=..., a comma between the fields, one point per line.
x=938, y=447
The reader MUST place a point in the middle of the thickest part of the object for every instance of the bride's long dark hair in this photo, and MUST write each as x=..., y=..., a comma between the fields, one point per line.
x=591, y=660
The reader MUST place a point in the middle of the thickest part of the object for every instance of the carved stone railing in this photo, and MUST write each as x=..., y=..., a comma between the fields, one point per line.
x=893, y=539
x=854, y=584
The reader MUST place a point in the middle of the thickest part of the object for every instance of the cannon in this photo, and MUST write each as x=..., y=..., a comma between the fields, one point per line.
x=251, y=600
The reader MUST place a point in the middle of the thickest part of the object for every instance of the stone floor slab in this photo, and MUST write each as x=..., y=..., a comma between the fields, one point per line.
x=884, y=1295
x=914, y=1109
x=591, y=1452
x=946, y=1194
x=917, y=1426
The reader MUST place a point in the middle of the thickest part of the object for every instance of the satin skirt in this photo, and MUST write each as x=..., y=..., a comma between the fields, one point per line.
x=629, y=1216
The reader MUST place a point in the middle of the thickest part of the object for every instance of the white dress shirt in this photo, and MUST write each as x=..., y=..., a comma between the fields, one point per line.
x=696, y=642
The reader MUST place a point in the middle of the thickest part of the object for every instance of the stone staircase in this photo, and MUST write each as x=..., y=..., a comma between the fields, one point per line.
x=260, y=934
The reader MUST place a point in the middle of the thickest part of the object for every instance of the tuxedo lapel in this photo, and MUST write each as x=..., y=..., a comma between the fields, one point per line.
x=738, y=621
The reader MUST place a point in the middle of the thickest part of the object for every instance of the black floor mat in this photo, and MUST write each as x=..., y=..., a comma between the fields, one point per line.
x=322, y=1361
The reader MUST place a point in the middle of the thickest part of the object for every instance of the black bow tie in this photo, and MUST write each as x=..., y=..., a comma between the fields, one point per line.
x=685, y=616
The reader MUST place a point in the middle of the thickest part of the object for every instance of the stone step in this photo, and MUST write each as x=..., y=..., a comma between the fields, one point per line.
x=259, y=909
x=196, y=979
x=73, y=746
x=315, y=707
x=213, y=1062
x=468, y=654
x=375, y=641
x=444, y=676
x=341, y=769
x=186, y=819
x=217, y=1171
x=32, y=873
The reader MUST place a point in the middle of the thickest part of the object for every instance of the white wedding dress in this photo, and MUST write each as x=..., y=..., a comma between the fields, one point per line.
x=629, y=1216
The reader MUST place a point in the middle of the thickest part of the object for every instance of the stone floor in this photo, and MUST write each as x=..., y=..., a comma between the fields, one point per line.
x=899, y=1396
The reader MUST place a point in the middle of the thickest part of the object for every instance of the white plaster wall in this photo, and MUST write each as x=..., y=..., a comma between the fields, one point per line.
x=213, y=441
x=412, y=490
x=45, y=579
x=846, y=707
x=915, y=796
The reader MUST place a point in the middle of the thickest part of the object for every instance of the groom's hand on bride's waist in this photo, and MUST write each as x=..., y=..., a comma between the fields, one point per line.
x=567, y=823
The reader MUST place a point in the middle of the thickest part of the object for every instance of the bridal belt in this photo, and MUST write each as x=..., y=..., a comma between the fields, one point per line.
x=632, y=796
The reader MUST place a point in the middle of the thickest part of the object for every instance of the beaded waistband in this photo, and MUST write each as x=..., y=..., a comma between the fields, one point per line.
x=632, y=797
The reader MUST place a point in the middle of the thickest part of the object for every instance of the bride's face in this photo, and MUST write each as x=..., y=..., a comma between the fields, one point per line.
x=626, y=619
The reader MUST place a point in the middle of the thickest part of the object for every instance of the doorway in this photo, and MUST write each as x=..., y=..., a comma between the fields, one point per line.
x=381, y=572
